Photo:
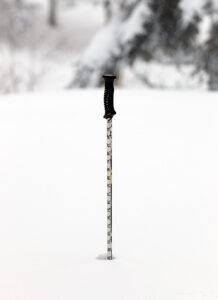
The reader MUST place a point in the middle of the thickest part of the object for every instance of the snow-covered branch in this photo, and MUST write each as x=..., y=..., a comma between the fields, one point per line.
x=111, y=46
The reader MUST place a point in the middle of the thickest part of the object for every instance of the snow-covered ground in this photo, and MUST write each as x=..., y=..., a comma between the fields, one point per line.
x=53, y=196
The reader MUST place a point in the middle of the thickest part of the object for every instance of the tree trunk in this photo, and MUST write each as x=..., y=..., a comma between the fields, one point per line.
x=52, y=18
x=107, y=8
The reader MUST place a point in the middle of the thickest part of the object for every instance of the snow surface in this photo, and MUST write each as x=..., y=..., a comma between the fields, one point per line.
x=53, y=196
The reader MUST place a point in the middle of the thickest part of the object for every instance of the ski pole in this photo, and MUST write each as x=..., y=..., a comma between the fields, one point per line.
x=109, y=113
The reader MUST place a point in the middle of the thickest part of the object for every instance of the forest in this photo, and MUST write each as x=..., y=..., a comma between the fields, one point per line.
x=64, y=44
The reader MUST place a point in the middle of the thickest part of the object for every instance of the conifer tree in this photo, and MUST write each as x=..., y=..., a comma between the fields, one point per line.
x=149, y=30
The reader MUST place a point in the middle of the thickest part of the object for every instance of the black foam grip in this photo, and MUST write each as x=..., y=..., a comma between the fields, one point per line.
x=109, y=96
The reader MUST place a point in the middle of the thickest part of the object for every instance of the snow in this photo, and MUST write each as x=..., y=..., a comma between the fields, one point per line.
x=163, y=75
x=191, y=7
x=103, y=40
x=204, y=30
x=108, y=44
x=48, y=57
x=77, y=26
x=53, y=196
x=134, y=25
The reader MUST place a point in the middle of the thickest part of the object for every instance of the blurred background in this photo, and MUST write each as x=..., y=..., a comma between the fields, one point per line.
x=64, y=44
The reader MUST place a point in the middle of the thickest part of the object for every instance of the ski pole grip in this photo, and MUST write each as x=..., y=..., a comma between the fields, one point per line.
x=109, y=96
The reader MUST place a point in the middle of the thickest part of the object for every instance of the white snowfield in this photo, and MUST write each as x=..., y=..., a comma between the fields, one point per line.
x=53, y=196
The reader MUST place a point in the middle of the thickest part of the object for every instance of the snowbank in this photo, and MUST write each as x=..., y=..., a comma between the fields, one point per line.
x=53, y=204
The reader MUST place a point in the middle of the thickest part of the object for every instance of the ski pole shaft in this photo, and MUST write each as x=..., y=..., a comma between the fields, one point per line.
x=109, y=188
x=109, y=113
